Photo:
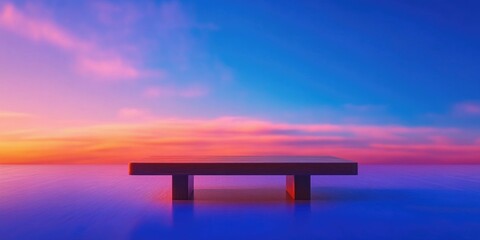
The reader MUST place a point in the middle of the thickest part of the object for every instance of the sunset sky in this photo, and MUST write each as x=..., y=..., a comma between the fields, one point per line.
x=116, y=81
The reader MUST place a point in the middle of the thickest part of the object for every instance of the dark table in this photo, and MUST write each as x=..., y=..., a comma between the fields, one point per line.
x=298, y=170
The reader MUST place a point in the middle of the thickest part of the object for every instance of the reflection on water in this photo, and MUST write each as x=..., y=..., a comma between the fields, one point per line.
x=103, y=202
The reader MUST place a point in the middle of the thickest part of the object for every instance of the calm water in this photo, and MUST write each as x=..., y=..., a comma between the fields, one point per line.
x=103, y=202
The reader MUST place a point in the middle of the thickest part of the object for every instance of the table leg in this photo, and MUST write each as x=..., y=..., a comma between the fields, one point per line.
x=182, y=187
x=298, y=187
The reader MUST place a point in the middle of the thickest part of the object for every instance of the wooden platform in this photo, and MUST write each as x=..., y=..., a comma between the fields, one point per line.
x=298, y=170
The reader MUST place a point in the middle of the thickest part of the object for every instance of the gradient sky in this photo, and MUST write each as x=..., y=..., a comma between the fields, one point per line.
x=114, y=81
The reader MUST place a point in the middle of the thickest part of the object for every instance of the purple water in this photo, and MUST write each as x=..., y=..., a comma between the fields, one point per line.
x=103, y=202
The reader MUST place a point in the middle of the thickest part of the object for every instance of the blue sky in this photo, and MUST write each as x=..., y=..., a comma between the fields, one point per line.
x=378, y=64
x=405, y=60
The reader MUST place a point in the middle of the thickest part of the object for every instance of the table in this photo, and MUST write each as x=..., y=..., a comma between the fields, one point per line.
x=298, y=170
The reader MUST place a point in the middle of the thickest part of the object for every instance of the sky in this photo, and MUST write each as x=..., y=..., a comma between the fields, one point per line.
x=117, y=81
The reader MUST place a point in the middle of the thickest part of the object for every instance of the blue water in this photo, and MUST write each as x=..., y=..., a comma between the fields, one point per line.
x=103, y=202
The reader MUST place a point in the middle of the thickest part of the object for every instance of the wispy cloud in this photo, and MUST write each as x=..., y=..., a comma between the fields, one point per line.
x=129, y=113
x=191, y=91
x=467, y=108
x=8, y=115
x=233, y=135
x=14, y=19
x=15, y=124
x=116, y=42
x=90, y=57
x=107, y=68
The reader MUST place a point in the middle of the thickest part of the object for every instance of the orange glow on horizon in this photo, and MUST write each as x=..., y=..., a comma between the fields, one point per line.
x=124, y=142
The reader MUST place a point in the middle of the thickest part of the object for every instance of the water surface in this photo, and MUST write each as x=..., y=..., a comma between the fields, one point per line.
x=103, y=202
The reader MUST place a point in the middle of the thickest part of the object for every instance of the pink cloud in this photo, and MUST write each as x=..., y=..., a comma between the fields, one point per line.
x=193, y=91
x=468, y=108
x=115, y=68
x=13, y=124
x=39, y=30
x=122, y=142
x=133, y=113
x=156, y=92
x=8, y=115
x=109, y=65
